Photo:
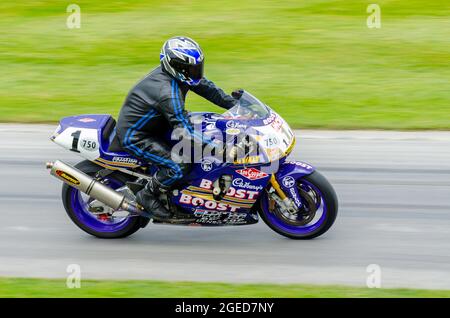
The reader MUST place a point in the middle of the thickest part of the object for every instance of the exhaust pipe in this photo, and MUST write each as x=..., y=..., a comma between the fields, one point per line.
x=86, y=184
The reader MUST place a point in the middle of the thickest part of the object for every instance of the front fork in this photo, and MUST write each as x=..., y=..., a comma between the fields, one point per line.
x=288, y=202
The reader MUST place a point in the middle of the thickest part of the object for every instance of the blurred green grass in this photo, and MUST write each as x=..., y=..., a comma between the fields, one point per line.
x=25, y=287
x=315, y=62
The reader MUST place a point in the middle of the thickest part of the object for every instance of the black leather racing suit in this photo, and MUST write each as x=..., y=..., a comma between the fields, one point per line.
x=155, y=105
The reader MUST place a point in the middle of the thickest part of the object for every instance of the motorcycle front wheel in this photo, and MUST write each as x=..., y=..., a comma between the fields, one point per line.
x=319, y=211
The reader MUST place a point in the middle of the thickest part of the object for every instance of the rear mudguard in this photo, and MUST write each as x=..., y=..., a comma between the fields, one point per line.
x=288, y=174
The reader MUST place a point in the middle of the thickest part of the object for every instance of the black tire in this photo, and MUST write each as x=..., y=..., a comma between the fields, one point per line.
x=91, y=169
x=331, y=201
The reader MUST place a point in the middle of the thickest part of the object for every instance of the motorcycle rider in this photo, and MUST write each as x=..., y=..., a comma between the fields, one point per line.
x=155, y=105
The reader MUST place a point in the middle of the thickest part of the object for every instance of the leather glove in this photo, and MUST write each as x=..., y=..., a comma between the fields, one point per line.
x=236, y=94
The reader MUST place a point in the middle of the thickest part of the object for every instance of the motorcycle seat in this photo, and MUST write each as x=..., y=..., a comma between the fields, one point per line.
x=109, y=133
x=115, y=145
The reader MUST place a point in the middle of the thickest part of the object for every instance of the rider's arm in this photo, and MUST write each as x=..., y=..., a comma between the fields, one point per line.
x=174, y=112
x=214, y=94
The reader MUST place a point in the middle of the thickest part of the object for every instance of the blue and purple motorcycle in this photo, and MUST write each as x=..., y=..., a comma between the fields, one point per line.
x=290, y=196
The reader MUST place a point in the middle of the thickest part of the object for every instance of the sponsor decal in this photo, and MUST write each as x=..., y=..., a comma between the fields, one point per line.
x=232, y=192
x=196, y=192
x=201, y=212
x=295, y=197
x=233, y=198
x=240, y=183
x=206, y=165
x=216, y=217
x=208, y=204
x=249, y=159
x=252, y=173
x=275, y=121
x=119, y=162
x=233, y=131
x=87, y=120
x=233, y=124
x=300, y=164
x=288, y=182
x=269, y=119
x=68, y=177
x=125, y=160
x=210, y=126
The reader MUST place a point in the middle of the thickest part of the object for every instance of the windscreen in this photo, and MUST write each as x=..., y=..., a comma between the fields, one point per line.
x=248, y=107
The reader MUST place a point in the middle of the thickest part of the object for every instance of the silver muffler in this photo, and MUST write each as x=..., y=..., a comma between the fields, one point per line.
x=86, y=184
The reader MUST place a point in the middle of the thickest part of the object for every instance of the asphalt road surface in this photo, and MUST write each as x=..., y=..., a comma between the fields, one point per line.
x=394, y=192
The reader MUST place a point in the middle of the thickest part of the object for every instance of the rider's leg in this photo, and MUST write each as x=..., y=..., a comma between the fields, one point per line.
x=148, y=198
x=159, y=153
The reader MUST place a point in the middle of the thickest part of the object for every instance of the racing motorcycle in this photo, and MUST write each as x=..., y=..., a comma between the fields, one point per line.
x=291, y=197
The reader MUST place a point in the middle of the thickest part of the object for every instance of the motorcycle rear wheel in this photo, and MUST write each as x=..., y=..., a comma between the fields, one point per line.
x=75, y=204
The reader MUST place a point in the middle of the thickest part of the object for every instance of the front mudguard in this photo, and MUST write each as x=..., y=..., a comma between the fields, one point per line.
x=288, y=174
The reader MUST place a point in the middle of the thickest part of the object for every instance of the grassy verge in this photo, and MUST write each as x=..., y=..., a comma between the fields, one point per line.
x=22, y=287
x=316, y=62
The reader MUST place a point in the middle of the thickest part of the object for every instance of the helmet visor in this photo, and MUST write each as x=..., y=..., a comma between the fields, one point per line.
x=190, y=71
x=195, y=72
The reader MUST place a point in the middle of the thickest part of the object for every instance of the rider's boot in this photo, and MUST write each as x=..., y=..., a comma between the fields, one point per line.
x=148, y=198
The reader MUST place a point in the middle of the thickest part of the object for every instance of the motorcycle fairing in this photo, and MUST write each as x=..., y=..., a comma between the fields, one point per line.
x=235, y=208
